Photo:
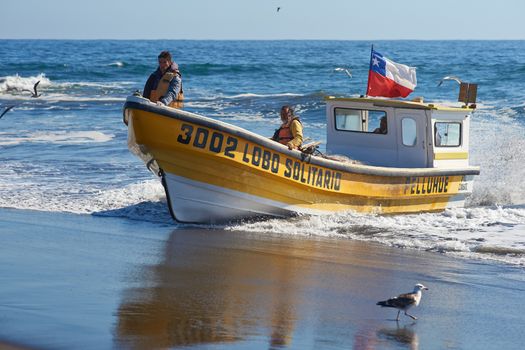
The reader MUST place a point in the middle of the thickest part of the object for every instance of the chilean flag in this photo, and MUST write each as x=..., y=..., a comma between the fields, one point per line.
x=387, y=78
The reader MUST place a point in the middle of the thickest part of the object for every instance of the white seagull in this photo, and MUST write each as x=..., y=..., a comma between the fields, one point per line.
x=347, y=71
x=403, y=302
x=450, y=77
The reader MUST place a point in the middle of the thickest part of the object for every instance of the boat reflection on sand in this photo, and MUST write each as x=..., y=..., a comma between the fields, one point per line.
x=191, y=298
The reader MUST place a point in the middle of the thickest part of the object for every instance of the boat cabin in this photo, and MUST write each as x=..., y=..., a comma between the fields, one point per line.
x=395, y=133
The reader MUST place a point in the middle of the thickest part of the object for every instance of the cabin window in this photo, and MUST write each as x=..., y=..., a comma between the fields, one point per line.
x=409, y=131
x=348, y=119
x=447, y=134
x=361, y=120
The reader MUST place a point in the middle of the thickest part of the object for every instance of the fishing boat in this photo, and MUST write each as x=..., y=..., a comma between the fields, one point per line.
x=213, y=171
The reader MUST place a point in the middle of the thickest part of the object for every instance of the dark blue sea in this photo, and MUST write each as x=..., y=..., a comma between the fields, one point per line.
x=66, y=150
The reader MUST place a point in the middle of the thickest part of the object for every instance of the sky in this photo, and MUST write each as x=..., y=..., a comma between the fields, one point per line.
x=260, y=20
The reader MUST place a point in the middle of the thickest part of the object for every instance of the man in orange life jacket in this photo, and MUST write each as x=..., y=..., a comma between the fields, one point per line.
x=164, y=86
x=291, y=131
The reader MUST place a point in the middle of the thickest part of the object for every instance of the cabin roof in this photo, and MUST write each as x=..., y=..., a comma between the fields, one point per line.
x=416, y=104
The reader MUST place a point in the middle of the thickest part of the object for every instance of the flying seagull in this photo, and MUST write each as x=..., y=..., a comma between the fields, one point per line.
x=403, y=302
x=7, y=109
x=451, y=77
x=347, y=71
x=278, y=9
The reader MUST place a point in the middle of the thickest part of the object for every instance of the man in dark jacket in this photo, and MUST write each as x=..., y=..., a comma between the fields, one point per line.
x=164, y=86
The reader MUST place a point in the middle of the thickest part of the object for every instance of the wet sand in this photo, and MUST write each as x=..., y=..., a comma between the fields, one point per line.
x=86, y=282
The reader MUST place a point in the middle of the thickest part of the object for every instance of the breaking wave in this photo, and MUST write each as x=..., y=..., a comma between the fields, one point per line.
x=16, y=84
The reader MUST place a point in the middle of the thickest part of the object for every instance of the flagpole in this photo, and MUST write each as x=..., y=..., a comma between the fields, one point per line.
x=369, y=69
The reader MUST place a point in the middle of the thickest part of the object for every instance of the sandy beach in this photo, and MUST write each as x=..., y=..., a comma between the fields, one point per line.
x=86, y=282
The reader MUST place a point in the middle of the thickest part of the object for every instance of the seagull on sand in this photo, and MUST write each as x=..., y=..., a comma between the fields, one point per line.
x=450, y=77
x=7, y=109
x=403, y=302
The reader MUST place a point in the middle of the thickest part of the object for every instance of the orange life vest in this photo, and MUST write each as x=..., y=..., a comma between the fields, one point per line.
x=162, y=89
x=284, y=133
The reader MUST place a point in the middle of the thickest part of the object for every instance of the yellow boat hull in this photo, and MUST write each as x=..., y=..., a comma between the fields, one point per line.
x=214, y=172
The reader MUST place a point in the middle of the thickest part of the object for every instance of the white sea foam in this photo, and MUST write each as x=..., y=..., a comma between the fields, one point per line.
x=496, y=145
x=57, y=97
x=244, y=117
x=63, y=97
x=109, y=85
x=17, y=88
x=16, y=84
x=487, y=233
x=252, y=95
x=206, y=95
x=74, y=197
x=58, y=137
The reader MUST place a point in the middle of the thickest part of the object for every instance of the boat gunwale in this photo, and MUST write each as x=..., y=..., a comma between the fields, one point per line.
x=140, y=103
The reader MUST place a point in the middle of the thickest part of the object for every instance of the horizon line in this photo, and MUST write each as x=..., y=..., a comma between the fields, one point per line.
x=304, y=39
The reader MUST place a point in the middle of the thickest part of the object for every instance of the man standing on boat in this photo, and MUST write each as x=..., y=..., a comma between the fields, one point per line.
x=164, y=86
x=291, y=131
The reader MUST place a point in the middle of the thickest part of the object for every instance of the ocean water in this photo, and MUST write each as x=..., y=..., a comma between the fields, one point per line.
x=66, y=151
